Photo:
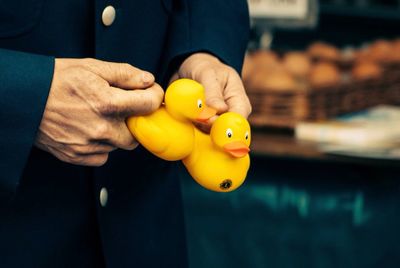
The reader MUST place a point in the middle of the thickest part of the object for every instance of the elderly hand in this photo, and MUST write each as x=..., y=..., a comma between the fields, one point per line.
x=84, y=118
x=223, y=87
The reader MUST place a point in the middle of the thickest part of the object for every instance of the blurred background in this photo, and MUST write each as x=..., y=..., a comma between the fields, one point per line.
x=323, y=189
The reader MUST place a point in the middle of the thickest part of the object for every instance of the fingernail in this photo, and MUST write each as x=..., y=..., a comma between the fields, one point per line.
x=147, y=77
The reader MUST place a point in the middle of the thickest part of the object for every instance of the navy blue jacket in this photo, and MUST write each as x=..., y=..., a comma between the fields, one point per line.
x=50, y=214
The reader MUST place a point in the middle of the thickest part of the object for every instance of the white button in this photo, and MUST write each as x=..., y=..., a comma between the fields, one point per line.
x=108, y=15
x=103, y=196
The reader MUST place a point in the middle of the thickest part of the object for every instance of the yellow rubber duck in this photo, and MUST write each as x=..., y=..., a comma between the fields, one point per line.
x=220, y=160
x=168, y=132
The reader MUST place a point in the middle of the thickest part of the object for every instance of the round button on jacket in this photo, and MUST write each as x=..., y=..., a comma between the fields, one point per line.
x=103, y=196
x=108, y=15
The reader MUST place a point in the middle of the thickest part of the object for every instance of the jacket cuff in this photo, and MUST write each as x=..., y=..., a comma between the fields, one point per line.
x=25, y=83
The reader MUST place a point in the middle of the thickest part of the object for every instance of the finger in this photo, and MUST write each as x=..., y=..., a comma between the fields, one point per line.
x=122, y=137
x=81, y=160
x=236, y=97
x=214, y=89
x=94, y=160
x=122, y=75
x=137, y=102
x=93, y=148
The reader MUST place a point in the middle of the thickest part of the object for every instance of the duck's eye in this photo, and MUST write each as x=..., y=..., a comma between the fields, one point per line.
x=229, y=133
x=199, y=103
x=246, y=135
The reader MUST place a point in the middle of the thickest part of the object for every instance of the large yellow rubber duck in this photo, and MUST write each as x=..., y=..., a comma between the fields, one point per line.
x=220, y=160
x=168, y=132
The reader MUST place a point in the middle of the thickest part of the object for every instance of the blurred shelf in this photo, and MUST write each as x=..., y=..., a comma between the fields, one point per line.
x=385, y=13
x=283, y=144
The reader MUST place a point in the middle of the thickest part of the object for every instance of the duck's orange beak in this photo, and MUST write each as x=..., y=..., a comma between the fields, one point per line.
x=237, y=149
x=206, y=114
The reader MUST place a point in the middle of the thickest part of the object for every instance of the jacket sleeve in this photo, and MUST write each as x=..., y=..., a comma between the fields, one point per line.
x=25, y=80
x=218, y=27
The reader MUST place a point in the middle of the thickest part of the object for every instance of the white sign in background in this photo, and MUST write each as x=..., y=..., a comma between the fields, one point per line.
x=285, y=9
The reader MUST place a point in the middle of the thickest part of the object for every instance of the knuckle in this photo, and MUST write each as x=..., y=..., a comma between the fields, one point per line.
x=89, y=62
x=101, y=131
x=75, y=72
x=126, y=66
x=79, y=78
x=99, y=107
x=230, y=70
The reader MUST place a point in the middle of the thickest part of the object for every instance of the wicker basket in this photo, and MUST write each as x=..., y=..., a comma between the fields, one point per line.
x=272, y=108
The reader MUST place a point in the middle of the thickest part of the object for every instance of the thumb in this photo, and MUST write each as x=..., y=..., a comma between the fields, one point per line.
x=122, y=75
x=138, y=101
x=236, y=97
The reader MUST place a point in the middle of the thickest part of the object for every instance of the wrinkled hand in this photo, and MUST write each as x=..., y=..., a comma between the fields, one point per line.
x=84, y=118
x=223, y=87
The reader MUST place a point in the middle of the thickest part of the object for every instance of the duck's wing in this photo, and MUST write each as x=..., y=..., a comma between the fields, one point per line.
x=201, y=144
x=150, y=135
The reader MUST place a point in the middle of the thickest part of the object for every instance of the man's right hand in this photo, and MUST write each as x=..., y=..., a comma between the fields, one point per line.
x=89, y=99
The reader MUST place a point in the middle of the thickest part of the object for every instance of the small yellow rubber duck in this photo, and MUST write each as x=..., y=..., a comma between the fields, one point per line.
x=168, y=132
x=220, y=161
